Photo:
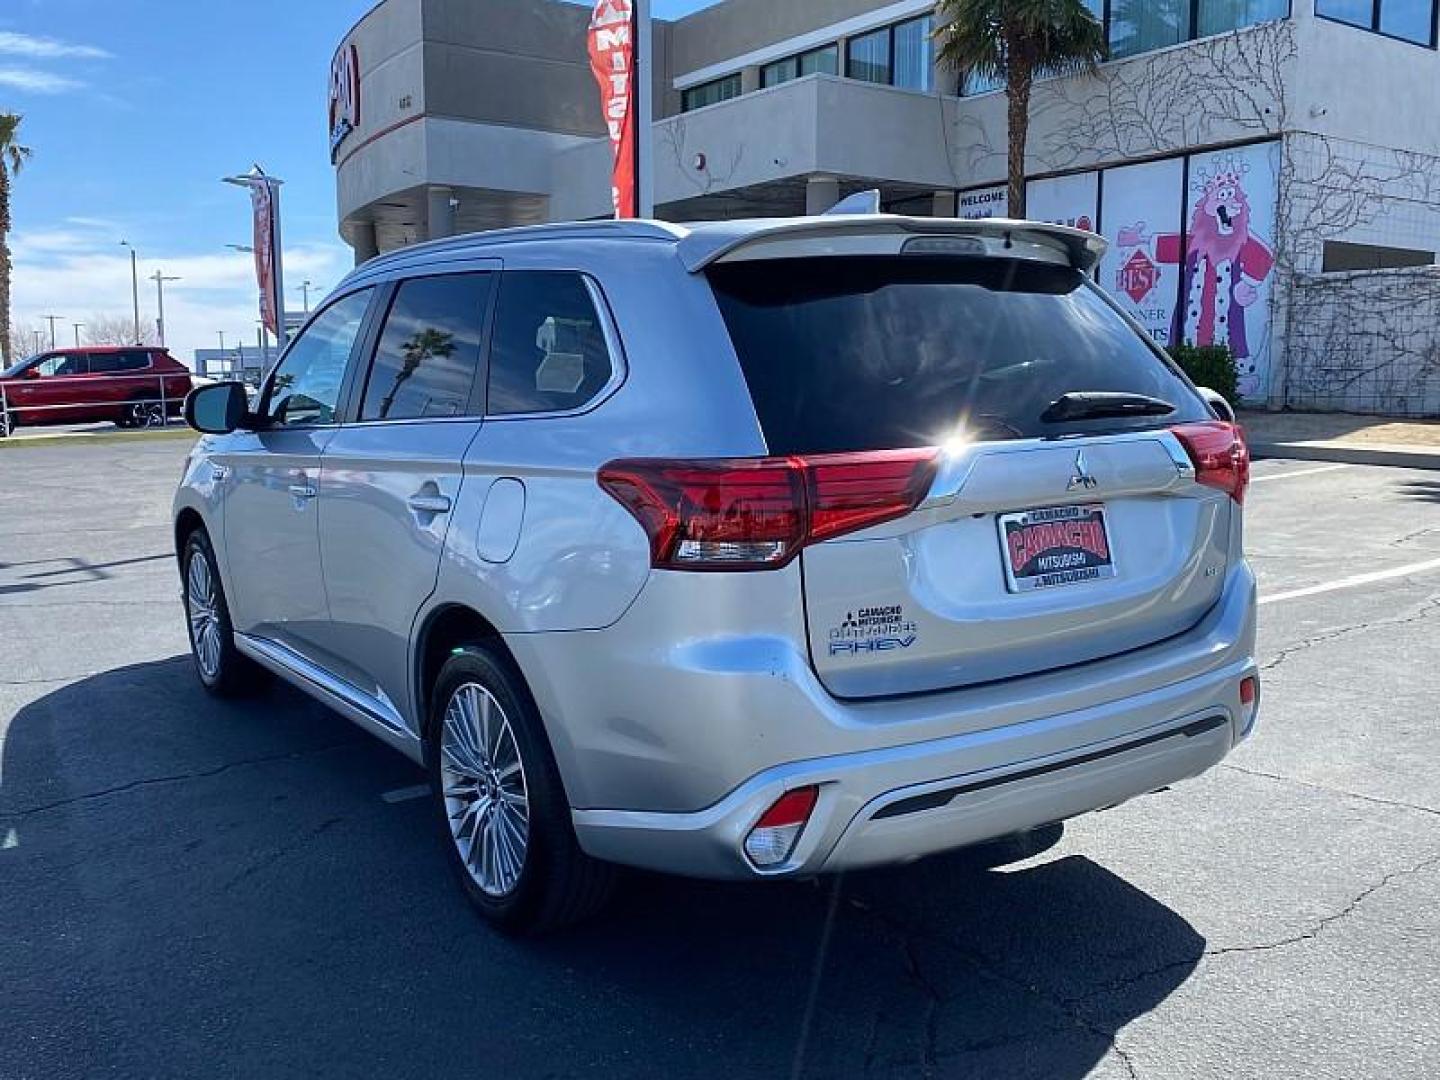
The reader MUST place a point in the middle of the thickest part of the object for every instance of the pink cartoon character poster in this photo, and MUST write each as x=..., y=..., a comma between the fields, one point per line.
x=1225, y=266
x=1225, y=258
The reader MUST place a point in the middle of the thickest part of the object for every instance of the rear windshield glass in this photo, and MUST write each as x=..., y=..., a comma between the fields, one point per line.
x=877, y=353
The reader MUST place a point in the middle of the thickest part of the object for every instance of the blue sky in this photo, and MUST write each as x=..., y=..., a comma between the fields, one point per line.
x=135, y=109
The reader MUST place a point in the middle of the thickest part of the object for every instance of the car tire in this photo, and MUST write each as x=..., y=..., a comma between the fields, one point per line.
x=521, y=866
x=222, y=669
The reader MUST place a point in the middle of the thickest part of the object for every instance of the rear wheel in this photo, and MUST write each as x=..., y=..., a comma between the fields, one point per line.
x=223, y=671
x=500, y=803
x=141, y=413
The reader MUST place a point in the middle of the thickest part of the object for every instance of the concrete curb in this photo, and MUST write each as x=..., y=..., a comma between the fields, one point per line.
x=17, y=442
x=1401, y=457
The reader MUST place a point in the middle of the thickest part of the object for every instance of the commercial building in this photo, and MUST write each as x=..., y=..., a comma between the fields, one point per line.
x=1268, y=174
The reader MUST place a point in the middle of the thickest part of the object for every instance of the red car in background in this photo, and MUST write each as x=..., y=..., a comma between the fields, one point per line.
x=131, y=385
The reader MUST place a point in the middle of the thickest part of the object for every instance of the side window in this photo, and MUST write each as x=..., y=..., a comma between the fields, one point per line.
x=102, y=363
x=133, y=360
x=548, y=353
x=429, y=352
x=63, y=364
x=305, y=388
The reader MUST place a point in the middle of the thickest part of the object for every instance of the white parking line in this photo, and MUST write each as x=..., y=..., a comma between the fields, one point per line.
x=407, y=794
x=1352, y=582
x=1300, y=472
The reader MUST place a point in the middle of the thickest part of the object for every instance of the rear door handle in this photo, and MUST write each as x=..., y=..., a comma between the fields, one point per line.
x=429, y=504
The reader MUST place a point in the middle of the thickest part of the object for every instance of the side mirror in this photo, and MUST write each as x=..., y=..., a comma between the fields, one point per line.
x=30, y=373
x=217, y=409
x=1218, y=405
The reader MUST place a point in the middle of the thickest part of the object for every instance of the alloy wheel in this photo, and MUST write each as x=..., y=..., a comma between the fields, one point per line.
x=486, y=797
x=201, y=606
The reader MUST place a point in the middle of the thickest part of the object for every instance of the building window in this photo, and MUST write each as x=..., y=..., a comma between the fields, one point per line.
x=1138, y=26
x=1340, y=257
x=1222, y=16
x=868, y=57
x=902, y=55
x=915, y=55
x=781, y=71
x=697, y=97
x=821, y=61
x=1408, y=20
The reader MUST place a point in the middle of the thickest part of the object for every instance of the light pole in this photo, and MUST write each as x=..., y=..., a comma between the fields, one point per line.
x=305, y=287
x=134, y=285
x=78, y=327
x=222, y=343
x=39, y=336
x=51, y=319
x=159, y=278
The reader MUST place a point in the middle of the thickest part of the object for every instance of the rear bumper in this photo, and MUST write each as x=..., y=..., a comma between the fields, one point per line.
x=676, y=728
x=902, y=803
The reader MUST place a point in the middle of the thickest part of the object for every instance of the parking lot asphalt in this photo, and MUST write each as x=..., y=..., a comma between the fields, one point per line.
x=194, y=888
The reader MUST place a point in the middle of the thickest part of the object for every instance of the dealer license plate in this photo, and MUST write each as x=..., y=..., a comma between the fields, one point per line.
x=1054, y=546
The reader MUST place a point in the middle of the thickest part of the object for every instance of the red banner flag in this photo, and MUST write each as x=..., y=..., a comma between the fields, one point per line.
x=262, y=201
x=612, y=59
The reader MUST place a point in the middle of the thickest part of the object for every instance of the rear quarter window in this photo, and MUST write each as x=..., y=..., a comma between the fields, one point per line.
x=549, y=352
x=878, y=353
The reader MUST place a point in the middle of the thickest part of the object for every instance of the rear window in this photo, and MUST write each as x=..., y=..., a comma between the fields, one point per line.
x=870, y=353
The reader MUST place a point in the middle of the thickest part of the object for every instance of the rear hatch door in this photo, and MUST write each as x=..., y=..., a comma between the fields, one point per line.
x=1042, y=542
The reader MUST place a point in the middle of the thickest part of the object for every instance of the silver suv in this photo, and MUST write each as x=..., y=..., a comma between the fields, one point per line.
x=749, y=550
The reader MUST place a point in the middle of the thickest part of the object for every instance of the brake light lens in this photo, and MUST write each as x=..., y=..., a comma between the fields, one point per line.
x=773, y=838
x=1220, y=456
x=757, y=513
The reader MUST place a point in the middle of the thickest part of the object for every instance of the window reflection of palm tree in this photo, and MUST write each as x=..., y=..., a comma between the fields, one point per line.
x=424, y=345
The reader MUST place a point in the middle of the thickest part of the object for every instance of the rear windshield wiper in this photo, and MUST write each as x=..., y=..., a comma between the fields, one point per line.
x=1098, y=405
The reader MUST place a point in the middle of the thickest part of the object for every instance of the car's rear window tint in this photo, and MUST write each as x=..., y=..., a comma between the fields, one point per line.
x=871, y=353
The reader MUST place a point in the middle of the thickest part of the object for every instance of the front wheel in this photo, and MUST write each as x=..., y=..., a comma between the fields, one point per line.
x=222, y=669
x=500, y=802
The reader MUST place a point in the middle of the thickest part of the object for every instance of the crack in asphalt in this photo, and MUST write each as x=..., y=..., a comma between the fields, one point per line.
x=936, y=1001
x=1310, y=933
x=177, y=778
x=1428, y=608
x=1312, y=785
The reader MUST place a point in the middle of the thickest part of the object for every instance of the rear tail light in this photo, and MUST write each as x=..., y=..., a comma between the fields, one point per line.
x=773, y=838
x=1221, y=458
x=1249, y=686
x=756, y=513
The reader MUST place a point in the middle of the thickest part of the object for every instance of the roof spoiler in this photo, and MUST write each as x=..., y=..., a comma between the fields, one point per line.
x=841, y=233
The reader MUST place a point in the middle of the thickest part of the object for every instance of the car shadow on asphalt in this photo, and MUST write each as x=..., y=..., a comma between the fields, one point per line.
x=211, y=887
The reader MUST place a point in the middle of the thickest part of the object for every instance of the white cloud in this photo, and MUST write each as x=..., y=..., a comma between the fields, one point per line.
x=43, y=48
x=37, y=82
x=77, y=272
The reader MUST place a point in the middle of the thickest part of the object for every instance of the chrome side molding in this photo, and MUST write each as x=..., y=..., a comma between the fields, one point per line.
x=378, y=717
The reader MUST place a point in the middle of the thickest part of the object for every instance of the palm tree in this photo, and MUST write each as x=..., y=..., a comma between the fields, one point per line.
x=414, y=352
x=12, y=159
x=1014, y=41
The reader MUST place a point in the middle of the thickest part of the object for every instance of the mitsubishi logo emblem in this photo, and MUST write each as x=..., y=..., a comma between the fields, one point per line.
x=1082, y=480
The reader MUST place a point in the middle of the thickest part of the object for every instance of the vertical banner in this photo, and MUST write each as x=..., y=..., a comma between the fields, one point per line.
x=264, y=201
x=1065, y=200
x=1141, y=215
x=612, y=59
x=1228, y=258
